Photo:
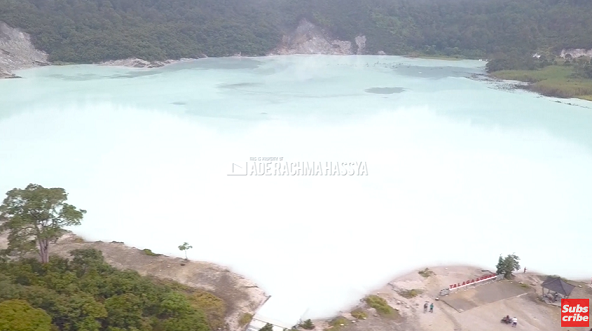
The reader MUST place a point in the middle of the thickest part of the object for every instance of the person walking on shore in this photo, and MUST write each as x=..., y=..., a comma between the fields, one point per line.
x=425, y=307
x=524, y=269
x=514, y=322
x=432, y=307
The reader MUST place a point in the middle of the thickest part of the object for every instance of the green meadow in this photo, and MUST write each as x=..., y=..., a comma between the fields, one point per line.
x=555, y=81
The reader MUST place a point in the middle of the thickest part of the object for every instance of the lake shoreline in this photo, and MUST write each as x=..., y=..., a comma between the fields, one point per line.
x=434, y=57
x=552, y=81
x=557, y=88
x=548, y=81
x=245, y=297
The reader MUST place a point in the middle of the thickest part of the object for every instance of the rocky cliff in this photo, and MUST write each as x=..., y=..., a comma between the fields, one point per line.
x=310, y=39
x=17, y=51
x=575, y=53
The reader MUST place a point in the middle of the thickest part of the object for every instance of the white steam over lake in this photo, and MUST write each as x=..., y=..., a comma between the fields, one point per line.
x=458, y=170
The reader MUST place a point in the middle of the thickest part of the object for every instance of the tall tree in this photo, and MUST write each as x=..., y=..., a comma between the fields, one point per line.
x=36, y=216
x=500, y=266
x=506, y=266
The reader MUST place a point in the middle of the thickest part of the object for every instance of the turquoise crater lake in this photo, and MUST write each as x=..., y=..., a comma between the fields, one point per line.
x=459, y=170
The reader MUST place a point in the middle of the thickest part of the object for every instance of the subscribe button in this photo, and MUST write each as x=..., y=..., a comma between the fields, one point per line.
x=575, y=313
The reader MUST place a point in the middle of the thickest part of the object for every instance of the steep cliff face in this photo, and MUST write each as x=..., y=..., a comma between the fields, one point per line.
x=17, y=51
x=310, y=39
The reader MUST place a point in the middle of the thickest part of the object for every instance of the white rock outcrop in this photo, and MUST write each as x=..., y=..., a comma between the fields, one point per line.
x=310, y=39
x=17, y=51
x=361, y=43
x=576, y=52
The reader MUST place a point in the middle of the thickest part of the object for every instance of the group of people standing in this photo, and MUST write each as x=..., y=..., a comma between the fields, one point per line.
x=425, y=307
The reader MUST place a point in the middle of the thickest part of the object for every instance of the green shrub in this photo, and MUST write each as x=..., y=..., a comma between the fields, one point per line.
x=379, y=304
x=426, y=273
x=19, y=315
x=267, y=327
x=245, y=319
x=149, y=252
x=213, y=307
x=359, y=314
x=337, y=323
x=410, y=293
x=307, y=325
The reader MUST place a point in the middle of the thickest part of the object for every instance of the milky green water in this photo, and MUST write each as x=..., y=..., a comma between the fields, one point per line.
x=459, y=170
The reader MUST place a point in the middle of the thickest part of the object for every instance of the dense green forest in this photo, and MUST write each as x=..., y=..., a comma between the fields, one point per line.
x=87, y=294
x=85, y=31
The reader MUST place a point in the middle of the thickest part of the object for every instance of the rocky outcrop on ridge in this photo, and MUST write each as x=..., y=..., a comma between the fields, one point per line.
x=310, y=39
x=17, y=51
x=575, y=53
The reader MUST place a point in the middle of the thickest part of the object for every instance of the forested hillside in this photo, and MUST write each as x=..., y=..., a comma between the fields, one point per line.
x=87, y=294
x=98, y=30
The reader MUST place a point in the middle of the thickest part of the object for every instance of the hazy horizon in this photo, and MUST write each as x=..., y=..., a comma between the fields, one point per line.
x=458, y=171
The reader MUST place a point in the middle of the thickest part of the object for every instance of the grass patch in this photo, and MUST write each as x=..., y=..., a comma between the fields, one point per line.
x=426, y=273
x=378, y=303
x=410, y=293
x=337, y=323
x=245, y=319
x=149, y=252
x=213, y=307
x=554, y=81
x=359, y=313
x=524, y=285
